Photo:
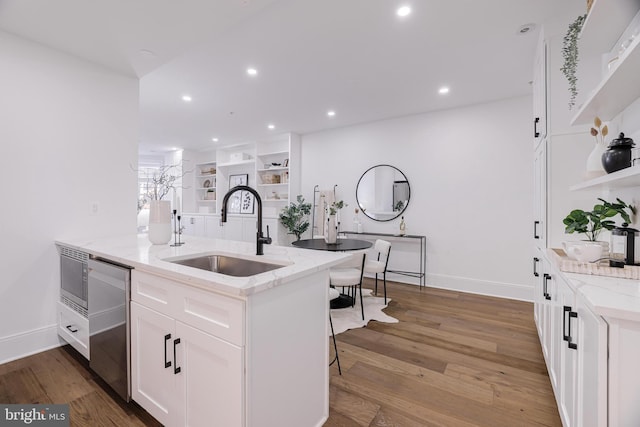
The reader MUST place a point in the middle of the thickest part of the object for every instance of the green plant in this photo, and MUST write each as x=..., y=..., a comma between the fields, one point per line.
x=336, y=206
x=570, y=56
x=591, y=223
x=295, y=217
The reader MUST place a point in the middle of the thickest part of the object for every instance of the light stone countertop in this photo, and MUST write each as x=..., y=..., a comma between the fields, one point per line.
x=136, y=251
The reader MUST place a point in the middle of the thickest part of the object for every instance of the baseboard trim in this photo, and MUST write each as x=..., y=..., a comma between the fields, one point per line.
x=30, y=342
x=473, y=286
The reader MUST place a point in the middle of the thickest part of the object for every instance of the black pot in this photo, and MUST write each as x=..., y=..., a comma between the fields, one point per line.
x=618, y=156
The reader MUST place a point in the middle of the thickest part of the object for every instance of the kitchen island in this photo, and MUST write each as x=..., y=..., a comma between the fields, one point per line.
x=213, y=349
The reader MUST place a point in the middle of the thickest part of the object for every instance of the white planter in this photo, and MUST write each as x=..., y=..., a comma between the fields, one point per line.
x=331, y=230
x=594, y=161
x=159, y=222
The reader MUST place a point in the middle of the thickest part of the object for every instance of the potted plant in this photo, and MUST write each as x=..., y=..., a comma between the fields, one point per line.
x=331, y=232
x=591, y=223
x=570, y=56
x=295, y=217
x=159, y=183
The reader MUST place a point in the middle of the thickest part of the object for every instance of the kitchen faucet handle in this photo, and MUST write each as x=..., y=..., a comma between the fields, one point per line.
x=267, y=239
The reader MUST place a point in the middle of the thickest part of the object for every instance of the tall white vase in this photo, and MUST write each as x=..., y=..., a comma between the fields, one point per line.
x=331, y=230
x=594, y=161
x=159, y=222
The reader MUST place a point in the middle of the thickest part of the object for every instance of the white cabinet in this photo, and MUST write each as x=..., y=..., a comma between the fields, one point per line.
x=200, y=358
x=575, y=345
x=539, y=84
x=591, y=372
x=193, y=225
x=539, y=232
x=187, y=359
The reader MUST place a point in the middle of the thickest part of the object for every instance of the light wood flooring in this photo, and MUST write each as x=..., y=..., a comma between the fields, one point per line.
x=454, y=359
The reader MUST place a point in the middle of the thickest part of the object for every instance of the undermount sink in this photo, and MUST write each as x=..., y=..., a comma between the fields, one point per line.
x=228, y=265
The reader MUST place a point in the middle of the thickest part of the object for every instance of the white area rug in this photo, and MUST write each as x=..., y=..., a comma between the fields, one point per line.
x=351, y=317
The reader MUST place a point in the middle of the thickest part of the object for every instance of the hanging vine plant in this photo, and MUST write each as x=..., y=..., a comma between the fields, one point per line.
x=570, y=56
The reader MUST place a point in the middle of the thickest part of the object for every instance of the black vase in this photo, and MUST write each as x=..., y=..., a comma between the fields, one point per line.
x=618, y=156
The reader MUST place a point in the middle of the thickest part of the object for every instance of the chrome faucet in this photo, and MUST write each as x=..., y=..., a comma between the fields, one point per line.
x=260, y=239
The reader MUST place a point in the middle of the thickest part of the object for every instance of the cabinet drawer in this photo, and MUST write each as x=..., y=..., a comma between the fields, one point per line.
x=151, y=291
x=74, y=329
x=215, y=314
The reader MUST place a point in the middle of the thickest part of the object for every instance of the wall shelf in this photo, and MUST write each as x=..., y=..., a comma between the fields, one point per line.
x=629, y=177
x=616, y=92
x=242, y=162
x=603, y=25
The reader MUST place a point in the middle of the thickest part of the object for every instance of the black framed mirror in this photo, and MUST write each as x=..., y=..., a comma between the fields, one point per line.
x=383, y=193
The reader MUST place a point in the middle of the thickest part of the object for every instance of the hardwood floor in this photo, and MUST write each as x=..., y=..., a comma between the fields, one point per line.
x=454, y=359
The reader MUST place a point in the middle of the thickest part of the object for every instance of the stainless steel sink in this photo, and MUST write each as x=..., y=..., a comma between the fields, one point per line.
x=230, y=266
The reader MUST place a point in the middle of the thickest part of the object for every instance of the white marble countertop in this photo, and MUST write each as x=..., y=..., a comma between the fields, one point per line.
x=136, y=251
x=610, y=297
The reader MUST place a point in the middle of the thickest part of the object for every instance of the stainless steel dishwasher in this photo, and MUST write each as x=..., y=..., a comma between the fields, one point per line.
x=109, y=291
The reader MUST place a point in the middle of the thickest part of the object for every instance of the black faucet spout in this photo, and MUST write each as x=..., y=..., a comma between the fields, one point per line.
x=260, y=239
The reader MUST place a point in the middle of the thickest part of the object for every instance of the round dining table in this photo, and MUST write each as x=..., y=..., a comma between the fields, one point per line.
x=341, y=245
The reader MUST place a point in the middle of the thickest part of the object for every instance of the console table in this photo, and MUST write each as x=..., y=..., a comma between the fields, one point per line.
x=422, y=240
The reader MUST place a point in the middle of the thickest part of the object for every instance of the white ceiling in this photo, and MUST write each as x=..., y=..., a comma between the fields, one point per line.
x=353, y=56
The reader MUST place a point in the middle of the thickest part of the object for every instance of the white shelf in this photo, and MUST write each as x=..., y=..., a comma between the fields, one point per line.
x=207, y=201
x=206, y=188
x=616, y=92
x=274, y=153
x=275, y=200
x=274, y=169
x=273, y=185
x=605, y=23
x=211, y=175
x=242, y=162
x=629, y=177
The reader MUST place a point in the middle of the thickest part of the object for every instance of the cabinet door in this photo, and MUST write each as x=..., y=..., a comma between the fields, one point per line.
x=568, y=358
x=538, y=293
x=540, y=92
x=249, y=229
x=554, y=340
x=592, y=367
x=232, y=229
x=212, y=227
x=210, y=380
x=539, y=226
x=152, y=364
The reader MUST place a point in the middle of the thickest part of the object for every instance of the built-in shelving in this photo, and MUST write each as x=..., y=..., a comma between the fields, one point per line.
x=629, y=177
x=604, y=25
x=238, y=163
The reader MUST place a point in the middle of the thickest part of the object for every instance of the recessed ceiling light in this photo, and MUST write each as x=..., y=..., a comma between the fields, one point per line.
x=186, y=98
x=214, y=139
x=403, y=11
x=443, y=90
x=331, y=113
x=270, y=126
x=526, y=28
x=252, y=71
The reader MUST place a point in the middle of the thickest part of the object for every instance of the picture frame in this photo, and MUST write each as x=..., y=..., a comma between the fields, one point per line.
x=239, y=179
x=235, y=201
x=285, y=164
x=247, y=203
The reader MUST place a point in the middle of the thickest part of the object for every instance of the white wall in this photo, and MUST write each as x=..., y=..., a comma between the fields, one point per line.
x=471, y=177
x=69, y=136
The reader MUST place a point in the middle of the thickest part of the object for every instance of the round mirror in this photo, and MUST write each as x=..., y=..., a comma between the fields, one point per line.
x=383, y=193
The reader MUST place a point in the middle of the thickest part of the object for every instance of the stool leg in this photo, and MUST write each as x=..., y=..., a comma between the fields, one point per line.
x=335, y=347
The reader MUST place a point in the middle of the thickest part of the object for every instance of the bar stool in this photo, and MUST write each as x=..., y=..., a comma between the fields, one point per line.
x=333, y=294
x=379, y=265
x=350, y=277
